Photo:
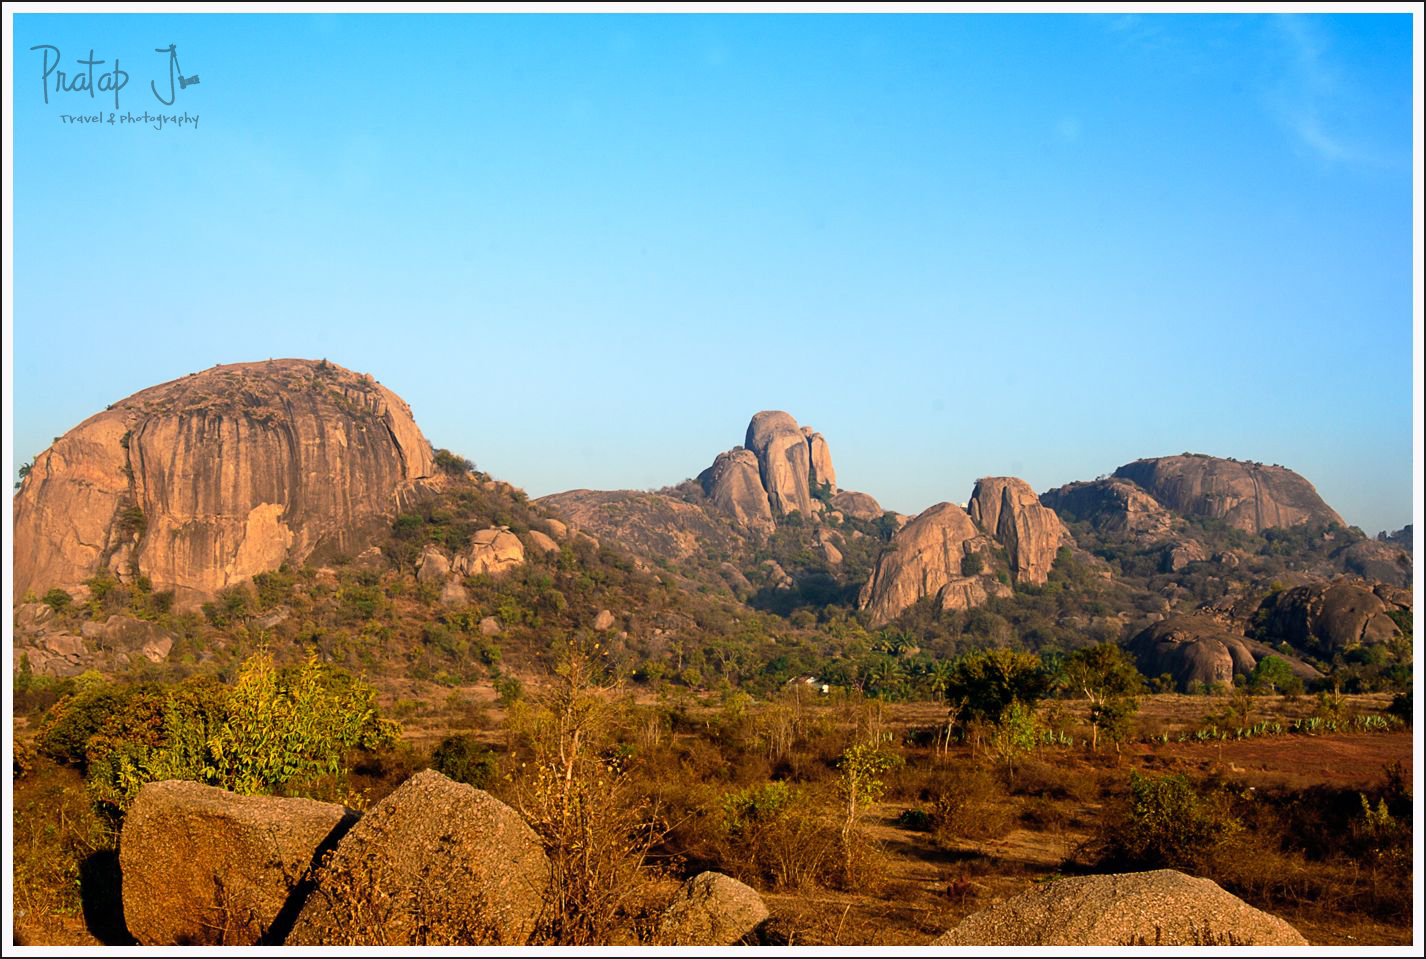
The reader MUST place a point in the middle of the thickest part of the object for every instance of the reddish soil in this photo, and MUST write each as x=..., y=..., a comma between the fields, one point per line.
x=1356, y=759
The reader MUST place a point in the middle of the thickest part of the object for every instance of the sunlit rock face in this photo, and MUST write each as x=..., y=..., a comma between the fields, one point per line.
x=941, y=554
x=1010, y=512
x=204, y=481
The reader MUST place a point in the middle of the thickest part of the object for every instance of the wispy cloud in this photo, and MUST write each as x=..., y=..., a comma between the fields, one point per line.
x=1312, y=98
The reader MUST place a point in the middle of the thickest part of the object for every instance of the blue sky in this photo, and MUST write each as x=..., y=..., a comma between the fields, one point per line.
x=587, y=249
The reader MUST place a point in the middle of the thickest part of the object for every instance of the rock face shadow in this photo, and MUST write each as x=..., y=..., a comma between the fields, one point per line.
x=101, y=897
x=281, y=927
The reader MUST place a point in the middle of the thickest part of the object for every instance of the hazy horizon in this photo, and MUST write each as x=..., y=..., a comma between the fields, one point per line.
x=586, y=250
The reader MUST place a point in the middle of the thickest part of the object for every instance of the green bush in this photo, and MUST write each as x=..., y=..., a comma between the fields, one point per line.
x=283, y=731
x=465, y=760
x=1166, y=823
x=767, y=835
x=508, y=690
x=58, y=600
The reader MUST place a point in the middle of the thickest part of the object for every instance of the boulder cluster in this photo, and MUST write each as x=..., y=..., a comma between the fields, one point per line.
x=960, y=558
x=434, y=863
x=1198, y=650
x=780, y=469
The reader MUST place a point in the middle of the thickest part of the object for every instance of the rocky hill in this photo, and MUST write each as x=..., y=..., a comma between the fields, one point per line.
x=204, y=481
x=1247, y=496
x=405, y=559
x=782, y=470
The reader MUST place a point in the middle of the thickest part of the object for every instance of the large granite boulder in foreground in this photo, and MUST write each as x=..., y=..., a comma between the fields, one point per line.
x=711, y=909
x=1159, y=908
x=203, y=866
x=435, y=863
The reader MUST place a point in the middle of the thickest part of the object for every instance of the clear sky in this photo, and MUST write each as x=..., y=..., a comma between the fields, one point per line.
x=587, y=249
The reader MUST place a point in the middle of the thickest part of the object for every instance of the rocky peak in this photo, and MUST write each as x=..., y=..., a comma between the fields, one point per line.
x=204, y=481
x=734, y=485
x=1247, y=496
x=822, y=474
x=781, y=469
x=941, y=554
x=1008, y=509
x=784, y=461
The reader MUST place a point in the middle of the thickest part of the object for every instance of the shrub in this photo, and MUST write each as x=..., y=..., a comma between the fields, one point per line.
x=293, y=726
x=595, y=829
x=58, y=600
x=1401, y=707
x=232, y=605
x=273, y=731
x=465, y=760
x=767, y=835
x=1166, y=823
x=508, y=691
x=453, y=465
x=969, y=805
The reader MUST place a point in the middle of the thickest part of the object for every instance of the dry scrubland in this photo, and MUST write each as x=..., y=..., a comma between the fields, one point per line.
x=860, y=822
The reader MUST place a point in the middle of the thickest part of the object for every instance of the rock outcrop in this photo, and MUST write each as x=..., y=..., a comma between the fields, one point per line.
x=1195, y=650
x=492, y=552
x=432, y=567
x=784, y=461
x=1247, y=496
x=434, y=863
x=1113, y=506
x=1324, y=619
x=542, y=543
x=1179, y=553
x=1008, y=509
x=203, y=482
x=821, y=474
x=733, y=484
x=1158, y=908
x=1378, y=561
x=203, y=866
x=1403, y=537
x=857, y=505
x=646, y=524
x=711, y=909
x=732, y=506
x=940, y=554
x=51, y=647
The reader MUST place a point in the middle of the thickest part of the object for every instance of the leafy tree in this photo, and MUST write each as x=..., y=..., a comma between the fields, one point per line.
x=292, y=725
x=985, y=683
x=273, y=731
x=466, y=760
x=453, y=465
x=1111, y=683
x=1167, y=823
x=1273, y=674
